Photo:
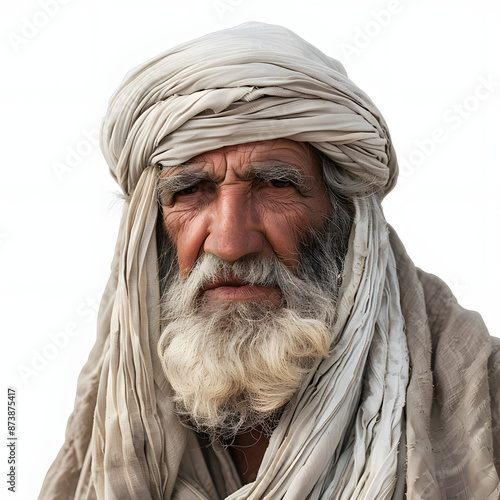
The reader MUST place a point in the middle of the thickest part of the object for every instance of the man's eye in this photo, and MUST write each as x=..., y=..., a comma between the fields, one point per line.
x=278, y=183
x=188, y=190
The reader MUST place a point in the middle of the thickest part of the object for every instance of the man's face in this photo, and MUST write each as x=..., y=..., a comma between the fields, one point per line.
x=253, y=199
x=250, y=307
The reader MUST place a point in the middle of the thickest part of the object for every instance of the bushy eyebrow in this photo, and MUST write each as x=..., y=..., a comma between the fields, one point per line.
x=168, y=186
x=278, y=172
x=185, y=178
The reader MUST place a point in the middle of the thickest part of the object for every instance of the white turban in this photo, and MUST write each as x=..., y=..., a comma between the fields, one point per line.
x=343, y=435
x=250, y=83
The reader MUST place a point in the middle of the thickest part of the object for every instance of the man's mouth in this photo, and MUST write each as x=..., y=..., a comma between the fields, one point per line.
x=236, y=282
x=235, y=289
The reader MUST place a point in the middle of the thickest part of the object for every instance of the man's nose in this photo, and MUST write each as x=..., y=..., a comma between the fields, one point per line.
x=235, y=226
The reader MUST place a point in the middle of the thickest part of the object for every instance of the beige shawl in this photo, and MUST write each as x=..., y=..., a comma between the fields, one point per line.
x=344, y=434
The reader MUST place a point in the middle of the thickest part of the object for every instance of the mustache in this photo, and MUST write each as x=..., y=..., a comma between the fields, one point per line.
x=210, y=270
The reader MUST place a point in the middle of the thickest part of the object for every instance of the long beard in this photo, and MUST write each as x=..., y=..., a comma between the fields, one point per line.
x=233, y=365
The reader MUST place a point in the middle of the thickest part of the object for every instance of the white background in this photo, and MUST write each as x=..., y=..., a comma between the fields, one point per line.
x=419, y=61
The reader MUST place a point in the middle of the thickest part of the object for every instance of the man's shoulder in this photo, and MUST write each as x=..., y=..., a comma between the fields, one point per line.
x=465, y=364
x=446, y=317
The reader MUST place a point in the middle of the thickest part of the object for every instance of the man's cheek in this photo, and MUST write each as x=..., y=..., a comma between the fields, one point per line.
x=283, y=237
x=291, y=220
x=188, y=231
x=176, y=221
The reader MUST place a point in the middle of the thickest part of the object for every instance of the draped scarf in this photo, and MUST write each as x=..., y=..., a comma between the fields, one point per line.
x=345, y=434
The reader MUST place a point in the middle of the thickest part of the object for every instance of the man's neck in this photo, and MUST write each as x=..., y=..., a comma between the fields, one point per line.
x=247, y=451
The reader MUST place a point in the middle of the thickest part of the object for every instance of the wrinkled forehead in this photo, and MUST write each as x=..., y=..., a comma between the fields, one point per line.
x=300, y=155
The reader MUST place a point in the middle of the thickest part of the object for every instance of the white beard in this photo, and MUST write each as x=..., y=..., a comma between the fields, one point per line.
x=233, y=365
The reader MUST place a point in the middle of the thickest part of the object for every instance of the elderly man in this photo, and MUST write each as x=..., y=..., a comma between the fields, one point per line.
x=263, y=333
